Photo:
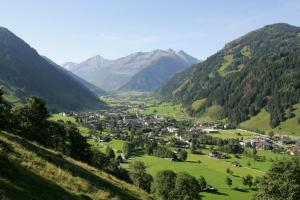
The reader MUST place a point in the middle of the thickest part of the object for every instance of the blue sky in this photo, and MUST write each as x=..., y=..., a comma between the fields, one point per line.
x=73, y=30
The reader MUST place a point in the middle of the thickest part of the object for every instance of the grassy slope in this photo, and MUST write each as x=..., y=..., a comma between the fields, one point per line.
x=261, y=121
x=228, y=59
x=210, y=115
x=167, y=109
x=234, y=134
x=29, y=171
x=197, y=104
x=58, y=117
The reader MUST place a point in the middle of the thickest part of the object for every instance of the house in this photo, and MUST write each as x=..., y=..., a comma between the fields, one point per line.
x=264, y=144
x=294, y=150
x=213, y=154
x=210, y=130
x=172, y=129
x=236, y=164
x=105, y=138
x=258, y=143
x=63, y=114
x=177, y=150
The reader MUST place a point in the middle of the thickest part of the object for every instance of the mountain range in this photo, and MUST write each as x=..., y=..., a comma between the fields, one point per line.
x=258, y=71
x=24, y=72
x=140, y=71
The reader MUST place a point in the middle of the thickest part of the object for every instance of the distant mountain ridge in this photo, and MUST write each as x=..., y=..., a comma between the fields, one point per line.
x=24, y=72
x=113, y=74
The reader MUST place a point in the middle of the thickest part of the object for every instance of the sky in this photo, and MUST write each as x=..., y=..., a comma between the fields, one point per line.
x=74, y=30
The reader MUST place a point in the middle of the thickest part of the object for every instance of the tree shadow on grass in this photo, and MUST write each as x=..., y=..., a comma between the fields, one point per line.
x=241, y=190
x=76, y=170
x=190, y=161
x=216, y=192
x=138, y=154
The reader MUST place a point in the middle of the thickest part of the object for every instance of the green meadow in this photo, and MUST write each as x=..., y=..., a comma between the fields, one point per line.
x=58, y=117
x=214, y=170
x=233, y=134
x=166, y=109
x=262, y=119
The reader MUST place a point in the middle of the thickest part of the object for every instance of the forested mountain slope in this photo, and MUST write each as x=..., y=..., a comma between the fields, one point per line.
x=258, y=70
x=96, y=90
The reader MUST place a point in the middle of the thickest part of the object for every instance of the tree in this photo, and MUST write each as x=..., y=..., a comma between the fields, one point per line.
x=4, y=112
x=248, y=180
x=149, y=149
x=127, y=149
x=282, y=181
x=271, y=134
x=254, y=152
x=202, y=183
x=80, y=149
x=31, y=118
x=110, y=153
x=228, y=171
x=99, y=127
x=98, y=159
x=138, y=175
x=119, y=159
x=228, y=181
x=257, y=181
x=164, y=184
x=290, y=113
x=248, y=163
x=186, y=187
x=183, y=155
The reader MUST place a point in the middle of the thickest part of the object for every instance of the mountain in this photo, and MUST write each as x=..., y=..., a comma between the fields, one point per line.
x=24, y=72
x=159, y=70
x=29, y=171
x=258, y=71
x=97, y=91
x=113, y=74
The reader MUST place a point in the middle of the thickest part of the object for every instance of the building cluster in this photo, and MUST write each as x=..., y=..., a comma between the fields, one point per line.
x=118, y=123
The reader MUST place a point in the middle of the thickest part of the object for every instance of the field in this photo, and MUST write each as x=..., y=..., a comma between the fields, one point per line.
x=128, y=100
x=214, y=171
x=234, y=134
x=261, y=122
x=166, y=109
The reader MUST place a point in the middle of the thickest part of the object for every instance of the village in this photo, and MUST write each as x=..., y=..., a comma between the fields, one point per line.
x=117, y=123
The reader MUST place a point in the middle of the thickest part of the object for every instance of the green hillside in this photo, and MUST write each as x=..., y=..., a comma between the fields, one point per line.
x=29, y=171
x=261, y=122
x=259, y=70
